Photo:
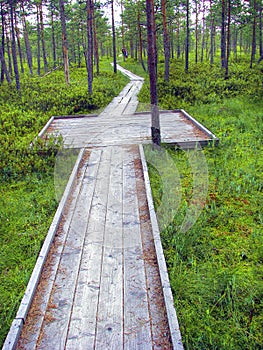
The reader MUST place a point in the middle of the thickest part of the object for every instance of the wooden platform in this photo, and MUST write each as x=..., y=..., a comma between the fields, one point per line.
x=101, y=286
x=100, y=281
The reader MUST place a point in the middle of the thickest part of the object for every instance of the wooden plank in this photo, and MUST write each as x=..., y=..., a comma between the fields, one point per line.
x=35, y=276
x=137, y=322
x=55, y=325
x=109, y=334
x=82, y=329
x=168, y=297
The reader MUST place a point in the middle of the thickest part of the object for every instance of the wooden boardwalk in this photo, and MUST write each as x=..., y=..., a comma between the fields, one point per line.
x=100, y=281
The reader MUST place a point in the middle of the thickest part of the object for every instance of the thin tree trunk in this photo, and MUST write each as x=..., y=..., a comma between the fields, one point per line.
x=54, y=46
x=228, y=39
x=152, y=68
x=64, y=41
x=166, y=43
x=14, y=54
x=113, y=38
x=42, y=36
x=140, y=39
x=27, y=42
x=10, y=65
x=187, y=37
x=38, y=44
x=196, y=30
x=18, y=43
x=90, y=44
x=96, y=44
x=223, y=35
x=203, y=32
x=260, y=31
x=254, y=45
x=4, y=70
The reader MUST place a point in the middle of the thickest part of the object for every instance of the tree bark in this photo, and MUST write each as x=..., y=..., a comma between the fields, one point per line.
x=53, y=38
x=17, y=32
x=38, y=44
x=113, y=38
x=4, y=70
x=253, y=42
x=223, y=34
x=42, y=36
x=152, y=68
x=187, y=37
x=27, y=42
x=166, y=42
x=64, y=41
x=228, y=38
x=90, y=44
x=140, y=39
x=14, y=52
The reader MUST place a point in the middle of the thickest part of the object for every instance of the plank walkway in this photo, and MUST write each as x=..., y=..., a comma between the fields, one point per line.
x=100, y=281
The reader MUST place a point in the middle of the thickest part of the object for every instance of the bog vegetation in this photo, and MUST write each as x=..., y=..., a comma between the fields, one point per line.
x=215, y=268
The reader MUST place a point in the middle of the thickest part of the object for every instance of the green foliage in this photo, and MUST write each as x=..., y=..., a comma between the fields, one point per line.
x=215, y=268
x=203, y=84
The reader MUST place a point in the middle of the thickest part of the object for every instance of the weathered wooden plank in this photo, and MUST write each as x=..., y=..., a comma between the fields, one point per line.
x=82, y=329
x=57, y=317
x=137, y=322
x=109, y=334
x=168, y=298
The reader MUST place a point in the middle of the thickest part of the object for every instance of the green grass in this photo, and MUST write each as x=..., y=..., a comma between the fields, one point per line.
x=33, y=178
x=215, y=267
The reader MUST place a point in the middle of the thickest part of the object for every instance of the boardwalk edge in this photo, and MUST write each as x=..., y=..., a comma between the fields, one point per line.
x=168, y=297
x=17, y=324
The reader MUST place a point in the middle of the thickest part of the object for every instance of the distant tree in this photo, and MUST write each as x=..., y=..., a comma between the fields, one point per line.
x=4, y=70
x=12, y=5
x=64, y=40
x=152, y=68
x=90, y=44
x=26, y=38
x=113, y=38
x=166, y=42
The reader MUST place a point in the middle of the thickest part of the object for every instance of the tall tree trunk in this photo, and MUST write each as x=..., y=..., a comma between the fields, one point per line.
x=187, y=36
x=223, y=34
x=253, y=44
x=14, y=54
x=27, y=42
x=10, y=65
x=260, y=30
x=17, y=31
x=140, y=39
x=42, y=36
x=96, y=44
x=4, y=70
x=228, y=38
x=166, y=42
x=38, y=43
x=53, y=39
x=64, y=41
x=197, y=8
x=203, y=31
x=113, y=38
x=152, y=68
x=90, y=44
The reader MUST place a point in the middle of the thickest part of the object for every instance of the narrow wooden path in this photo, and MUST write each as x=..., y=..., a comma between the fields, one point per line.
x=100, y=281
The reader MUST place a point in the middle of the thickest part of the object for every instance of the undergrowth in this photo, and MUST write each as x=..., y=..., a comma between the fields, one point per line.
x=215, y=267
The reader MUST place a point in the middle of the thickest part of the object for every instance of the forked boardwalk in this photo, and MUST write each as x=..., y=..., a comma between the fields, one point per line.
x=101, y=281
